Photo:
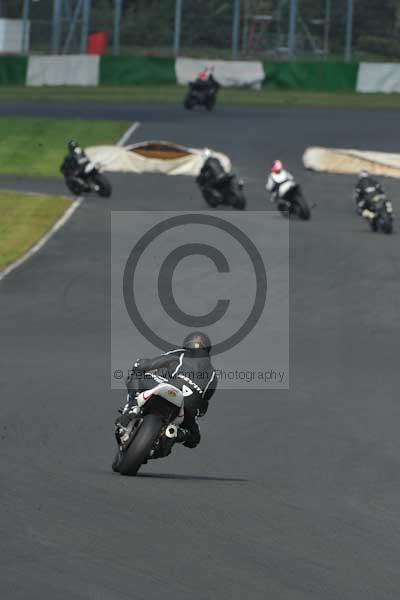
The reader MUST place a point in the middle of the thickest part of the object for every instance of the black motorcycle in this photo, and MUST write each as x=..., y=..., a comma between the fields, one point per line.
x=228, y=190
x=201, y=94
x=383, y=209
x=89, y=180
x=293, y=203
x=152, y=430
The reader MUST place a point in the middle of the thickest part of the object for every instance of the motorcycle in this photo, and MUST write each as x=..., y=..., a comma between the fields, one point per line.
x=201, y=96
x=228, y=191
x=292, y=202
x=152, y=431
x=90, y=180
x=383, y=220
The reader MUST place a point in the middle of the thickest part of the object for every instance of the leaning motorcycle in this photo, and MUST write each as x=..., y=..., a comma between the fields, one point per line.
x=197, y=96
x=152, y=431
x=293, y=203
x=228, y=191
x=383, y=210
x=90, y=180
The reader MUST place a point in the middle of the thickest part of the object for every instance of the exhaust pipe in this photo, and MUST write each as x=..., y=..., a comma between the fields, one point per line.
x=171, y=431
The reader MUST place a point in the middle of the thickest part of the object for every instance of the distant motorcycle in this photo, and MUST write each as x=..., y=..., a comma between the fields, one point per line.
x=293, y=203
x=201, y=93
x=152, y=431
x=227, y=190
x=383, y=220
x=90, y=180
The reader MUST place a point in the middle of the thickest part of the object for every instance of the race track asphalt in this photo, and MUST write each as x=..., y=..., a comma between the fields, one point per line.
x=292, y=494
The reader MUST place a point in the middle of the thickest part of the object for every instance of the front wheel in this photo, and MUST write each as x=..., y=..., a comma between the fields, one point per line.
x=74, y=186
x=130, y=460
x=387, y=226
x=103, y=184
x=188, y=102
x=211, y=198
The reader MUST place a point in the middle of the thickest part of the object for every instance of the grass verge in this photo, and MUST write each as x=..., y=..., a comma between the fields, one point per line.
x=36, y=146
x=24, y=219
x=173, y=94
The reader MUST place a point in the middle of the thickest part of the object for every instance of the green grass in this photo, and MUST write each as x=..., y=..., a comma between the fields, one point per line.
x=24, y=219
x=173, y=94
x=30, y=146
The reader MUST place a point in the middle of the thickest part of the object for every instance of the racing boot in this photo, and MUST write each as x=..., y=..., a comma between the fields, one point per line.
x=189, y=435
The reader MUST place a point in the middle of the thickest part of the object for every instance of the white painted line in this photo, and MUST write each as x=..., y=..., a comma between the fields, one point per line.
x=43, y=240
x=128, y=133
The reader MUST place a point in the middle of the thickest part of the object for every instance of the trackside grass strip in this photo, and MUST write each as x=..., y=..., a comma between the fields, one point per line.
x=36, y=146
x=24, y=219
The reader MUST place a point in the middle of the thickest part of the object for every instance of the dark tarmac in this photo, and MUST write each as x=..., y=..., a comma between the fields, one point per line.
x=292, y=494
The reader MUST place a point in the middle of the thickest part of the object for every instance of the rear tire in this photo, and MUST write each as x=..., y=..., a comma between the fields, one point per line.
x=104, y=185
x=135, y=455
x=304, y=210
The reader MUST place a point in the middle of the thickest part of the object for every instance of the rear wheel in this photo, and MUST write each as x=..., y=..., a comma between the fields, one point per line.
x=103, y=184
x=303, y=208
x=130, y=460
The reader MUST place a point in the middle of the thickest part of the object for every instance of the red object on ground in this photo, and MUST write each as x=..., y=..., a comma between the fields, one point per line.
x=97, y=42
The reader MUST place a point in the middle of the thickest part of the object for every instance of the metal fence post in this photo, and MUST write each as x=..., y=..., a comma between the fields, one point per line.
x=235, y=28
x=349, y=31
x=25, y=26
x=56, y=37
x=292, y=27
x=327, y=24
x=117, y=28
x=177, y=30
x=87, y=5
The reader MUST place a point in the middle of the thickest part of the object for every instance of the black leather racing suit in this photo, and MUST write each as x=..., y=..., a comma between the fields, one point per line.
x=189, y=370
x=74, y=163
x=366, y=189
x=212, y=173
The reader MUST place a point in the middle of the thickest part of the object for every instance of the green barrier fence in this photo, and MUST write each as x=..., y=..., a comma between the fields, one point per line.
x=135, y=70
x=312, y=76
x=13, y=70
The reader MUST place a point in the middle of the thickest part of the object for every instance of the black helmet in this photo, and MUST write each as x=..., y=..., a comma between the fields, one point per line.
x=72, y=145
x=197, y=341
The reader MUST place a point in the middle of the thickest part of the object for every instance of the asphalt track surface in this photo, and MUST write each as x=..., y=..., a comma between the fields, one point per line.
x=291, y=495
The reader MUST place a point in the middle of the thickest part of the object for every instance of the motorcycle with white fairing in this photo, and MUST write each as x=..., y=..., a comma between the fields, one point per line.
x=290, y=200
x=152, y=430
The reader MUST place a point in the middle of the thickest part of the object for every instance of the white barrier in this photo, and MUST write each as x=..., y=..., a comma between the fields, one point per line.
x=78, y=69
x=227, y=73
x=153, y=157
x=11, y=31
x=341, y=160
x=378, y=77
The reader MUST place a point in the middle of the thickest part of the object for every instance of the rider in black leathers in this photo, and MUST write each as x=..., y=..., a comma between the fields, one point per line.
x=189, y=369
x=366, y=189
x=75, y=162
x=212, y=173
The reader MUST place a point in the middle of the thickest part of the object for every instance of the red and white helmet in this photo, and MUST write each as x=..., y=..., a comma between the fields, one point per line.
x=203, y=75
x=276, y=166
